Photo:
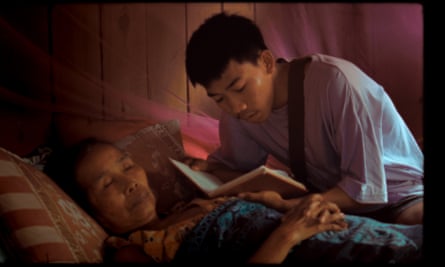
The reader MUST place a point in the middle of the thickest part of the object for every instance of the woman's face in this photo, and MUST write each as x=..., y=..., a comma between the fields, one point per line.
x=117, y=189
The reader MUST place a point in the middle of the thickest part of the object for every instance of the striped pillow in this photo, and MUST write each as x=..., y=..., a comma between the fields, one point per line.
x=39, y=222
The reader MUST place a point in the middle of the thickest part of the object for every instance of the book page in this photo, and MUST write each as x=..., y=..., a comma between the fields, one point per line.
x=262, y=178
x=207, y=182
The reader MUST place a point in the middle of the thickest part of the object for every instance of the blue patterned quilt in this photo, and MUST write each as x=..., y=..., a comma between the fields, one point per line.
x=234, y=230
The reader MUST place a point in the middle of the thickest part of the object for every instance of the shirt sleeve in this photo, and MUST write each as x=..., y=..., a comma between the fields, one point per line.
x=355, y=116
x=238, y=150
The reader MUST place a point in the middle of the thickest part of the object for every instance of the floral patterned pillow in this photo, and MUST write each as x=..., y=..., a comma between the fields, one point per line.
x=151, y=147
x=39, y=222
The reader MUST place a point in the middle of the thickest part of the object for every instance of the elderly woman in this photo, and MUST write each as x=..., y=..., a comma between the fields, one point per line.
x=259, y=227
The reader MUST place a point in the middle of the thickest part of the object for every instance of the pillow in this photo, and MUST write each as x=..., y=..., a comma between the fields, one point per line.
x=151, y=147
x=39, y=222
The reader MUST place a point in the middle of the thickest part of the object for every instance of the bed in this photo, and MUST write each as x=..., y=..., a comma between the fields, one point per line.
x=42, y=224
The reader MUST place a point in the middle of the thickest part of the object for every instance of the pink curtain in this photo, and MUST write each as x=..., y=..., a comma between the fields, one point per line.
x=385, y=40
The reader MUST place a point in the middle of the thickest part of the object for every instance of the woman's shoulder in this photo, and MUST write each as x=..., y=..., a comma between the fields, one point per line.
x=186, y=210
x=206, y=205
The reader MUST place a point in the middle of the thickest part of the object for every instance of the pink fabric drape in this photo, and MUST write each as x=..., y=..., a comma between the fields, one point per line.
x=385, y=40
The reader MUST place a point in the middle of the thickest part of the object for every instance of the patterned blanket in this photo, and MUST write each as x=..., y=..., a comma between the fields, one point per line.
x=234, y=230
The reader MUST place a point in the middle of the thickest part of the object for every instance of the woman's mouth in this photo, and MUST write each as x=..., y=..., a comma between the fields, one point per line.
x=138, y=197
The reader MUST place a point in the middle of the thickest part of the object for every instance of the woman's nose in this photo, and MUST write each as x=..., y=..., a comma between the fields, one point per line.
x=131, y=186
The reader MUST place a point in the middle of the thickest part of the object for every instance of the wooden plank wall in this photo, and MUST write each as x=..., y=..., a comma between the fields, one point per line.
x=25, y=69
x=50, y=52
x=132, y=47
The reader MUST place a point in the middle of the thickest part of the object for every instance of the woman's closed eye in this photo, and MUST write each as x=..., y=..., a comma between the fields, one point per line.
x=239, y=90
x=127, y=166
x=218, y=99
x=107, y=181
x=126, y=162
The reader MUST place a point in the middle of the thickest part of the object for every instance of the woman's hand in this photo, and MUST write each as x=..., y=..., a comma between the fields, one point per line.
x=312, y=215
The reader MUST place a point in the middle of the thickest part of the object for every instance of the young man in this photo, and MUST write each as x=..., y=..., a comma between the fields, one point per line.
x=358, y=151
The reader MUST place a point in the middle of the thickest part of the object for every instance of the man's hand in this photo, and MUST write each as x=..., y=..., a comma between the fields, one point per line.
x=200, y=164
x=224, y=173
x=268, y=198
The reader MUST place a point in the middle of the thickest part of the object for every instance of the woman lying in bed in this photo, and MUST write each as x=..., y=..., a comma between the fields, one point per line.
x=252, y=227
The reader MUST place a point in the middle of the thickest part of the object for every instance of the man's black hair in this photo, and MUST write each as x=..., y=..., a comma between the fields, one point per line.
x=219, y=39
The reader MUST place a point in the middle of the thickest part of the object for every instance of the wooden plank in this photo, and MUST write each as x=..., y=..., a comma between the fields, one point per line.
x=24, y=56
x=77, y=59
x=200, y=103
x=243, y=9
x=165, y=55
x=25, y=80
x=124, y=54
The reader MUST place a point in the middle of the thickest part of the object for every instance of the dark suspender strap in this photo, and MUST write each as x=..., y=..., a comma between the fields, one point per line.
x=296, y=119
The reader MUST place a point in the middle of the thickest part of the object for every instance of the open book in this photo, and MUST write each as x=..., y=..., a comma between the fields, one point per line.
x=261, y=178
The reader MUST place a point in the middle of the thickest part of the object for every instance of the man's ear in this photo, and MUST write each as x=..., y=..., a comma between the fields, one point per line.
x=268, y=60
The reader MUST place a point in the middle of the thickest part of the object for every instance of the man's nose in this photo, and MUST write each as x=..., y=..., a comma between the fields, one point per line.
x=236, y=106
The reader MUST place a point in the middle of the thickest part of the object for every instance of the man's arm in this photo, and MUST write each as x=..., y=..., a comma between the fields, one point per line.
x=344, y=202
x=274, y=200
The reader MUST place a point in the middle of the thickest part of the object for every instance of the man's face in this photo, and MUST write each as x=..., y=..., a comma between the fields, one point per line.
x=117, y=189
x=244, y=90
